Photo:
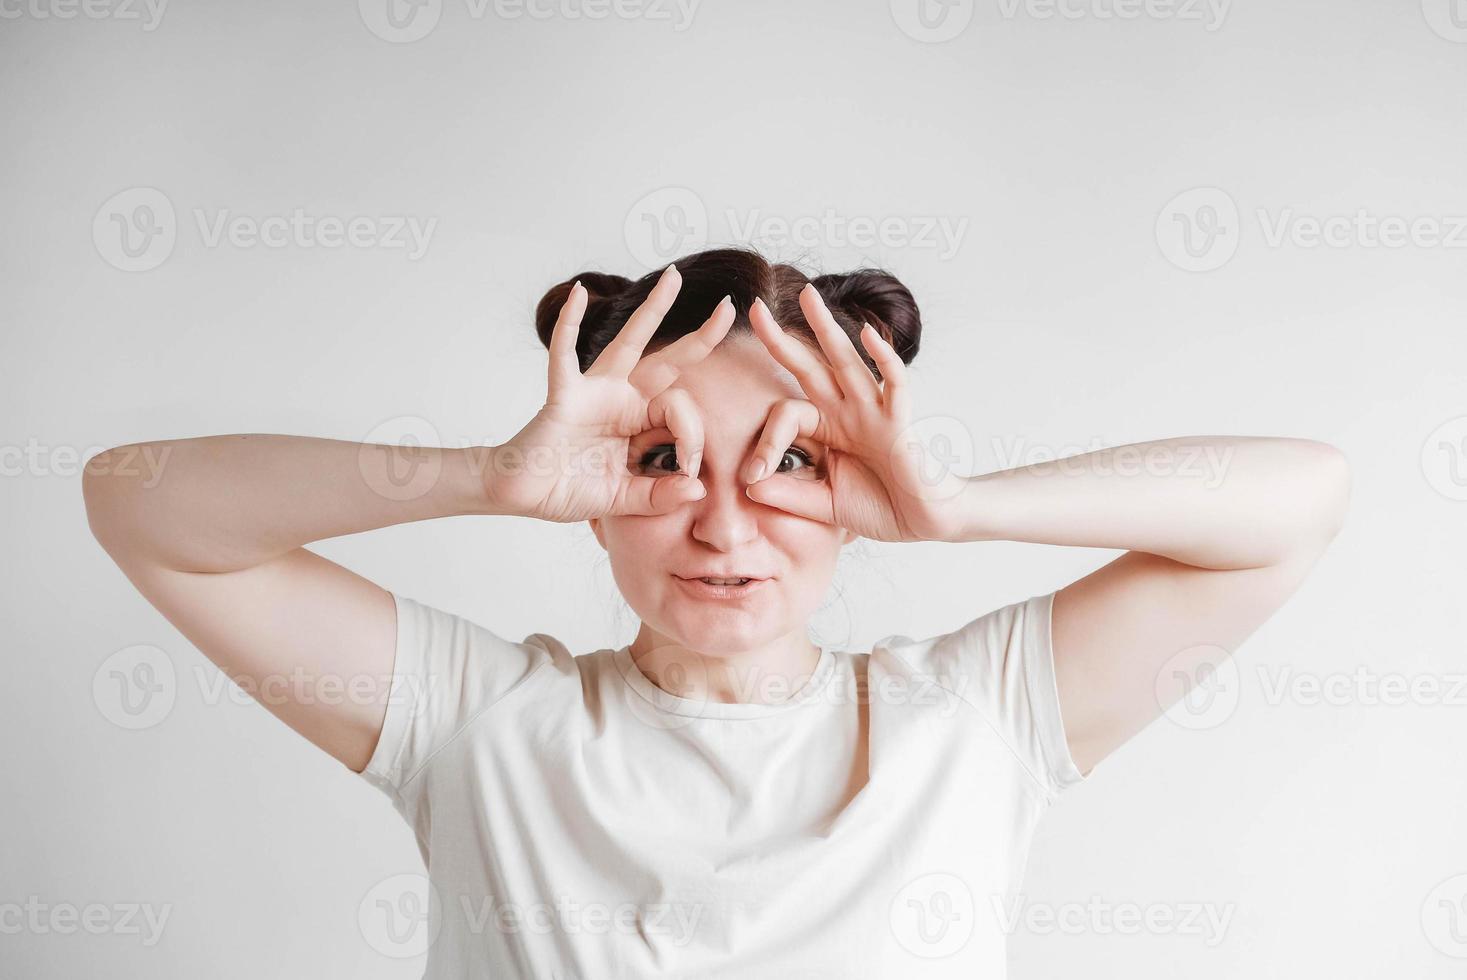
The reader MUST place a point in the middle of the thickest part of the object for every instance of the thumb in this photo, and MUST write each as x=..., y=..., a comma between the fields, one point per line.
x=646, y=496
x=799, y=497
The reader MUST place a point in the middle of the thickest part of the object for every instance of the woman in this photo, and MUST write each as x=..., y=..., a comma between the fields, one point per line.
x=721, y=797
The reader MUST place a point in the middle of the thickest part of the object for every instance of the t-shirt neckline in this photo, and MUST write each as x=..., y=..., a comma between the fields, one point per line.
x=644, y=687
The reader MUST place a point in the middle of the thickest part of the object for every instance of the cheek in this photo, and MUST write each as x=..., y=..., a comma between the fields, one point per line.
x=634, y=545
x=809, y=544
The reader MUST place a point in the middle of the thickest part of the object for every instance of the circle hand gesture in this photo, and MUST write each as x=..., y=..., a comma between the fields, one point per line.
x=569, y=463
x=877, y=480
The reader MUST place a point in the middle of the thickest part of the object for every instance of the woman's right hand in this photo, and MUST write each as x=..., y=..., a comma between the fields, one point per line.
x=569, y=463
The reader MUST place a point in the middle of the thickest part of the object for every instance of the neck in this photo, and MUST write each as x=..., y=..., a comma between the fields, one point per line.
x=765, y=674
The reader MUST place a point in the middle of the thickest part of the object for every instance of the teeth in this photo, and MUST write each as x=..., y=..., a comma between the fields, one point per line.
x=724, y=581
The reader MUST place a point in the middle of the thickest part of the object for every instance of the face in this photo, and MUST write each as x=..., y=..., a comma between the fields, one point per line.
x=734, y=388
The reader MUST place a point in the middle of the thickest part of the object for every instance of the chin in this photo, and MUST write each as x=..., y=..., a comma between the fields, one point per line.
x=718, y=634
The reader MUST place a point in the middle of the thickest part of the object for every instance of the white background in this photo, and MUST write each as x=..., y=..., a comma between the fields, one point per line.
x=1070, y=315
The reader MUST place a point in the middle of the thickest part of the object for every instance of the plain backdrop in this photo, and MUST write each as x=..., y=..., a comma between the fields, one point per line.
x=1161, y=219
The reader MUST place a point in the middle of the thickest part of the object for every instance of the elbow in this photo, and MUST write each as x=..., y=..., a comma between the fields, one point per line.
x=101, y=486
x=1331, y=484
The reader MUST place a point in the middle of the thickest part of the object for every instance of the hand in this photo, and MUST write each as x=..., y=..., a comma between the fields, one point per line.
x=569, y=463
x=876, y=471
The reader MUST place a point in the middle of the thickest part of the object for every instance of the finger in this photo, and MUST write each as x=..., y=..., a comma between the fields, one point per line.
x=565, y=368
x=622, y=354
x=655, y=372
x=814, y=374
x=675, y=410
x=646, y=496
x=804, y=498
x=788, y=420
x=855, y=378
x=894, y=394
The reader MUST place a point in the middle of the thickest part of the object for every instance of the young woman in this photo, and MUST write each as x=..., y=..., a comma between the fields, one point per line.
x=721, y=797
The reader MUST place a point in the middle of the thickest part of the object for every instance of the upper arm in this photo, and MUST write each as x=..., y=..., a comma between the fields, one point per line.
x=312, y=641
x=1114, y=630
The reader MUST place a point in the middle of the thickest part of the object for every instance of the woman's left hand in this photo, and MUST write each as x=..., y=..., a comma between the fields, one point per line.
x=878, y=479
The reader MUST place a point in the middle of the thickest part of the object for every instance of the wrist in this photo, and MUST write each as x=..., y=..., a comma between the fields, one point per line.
x=478, y=471
x=967, y=514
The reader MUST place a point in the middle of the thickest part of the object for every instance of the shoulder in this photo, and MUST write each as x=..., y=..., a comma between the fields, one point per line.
x=970, y=652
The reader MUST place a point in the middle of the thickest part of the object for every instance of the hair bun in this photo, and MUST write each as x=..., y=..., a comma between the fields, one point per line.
x=603, y=290
x=878, y=298
x=866, y=295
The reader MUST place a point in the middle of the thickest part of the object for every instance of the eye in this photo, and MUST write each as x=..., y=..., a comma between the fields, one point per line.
x=797, y=454
x=666, y=449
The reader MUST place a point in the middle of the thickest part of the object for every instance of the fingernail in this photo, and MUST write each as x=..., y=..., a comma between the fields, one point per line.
x=757, y=473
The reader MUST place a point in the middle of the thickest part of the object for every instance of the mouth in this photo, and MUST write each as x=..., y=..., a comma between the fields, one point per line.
x=718, y=587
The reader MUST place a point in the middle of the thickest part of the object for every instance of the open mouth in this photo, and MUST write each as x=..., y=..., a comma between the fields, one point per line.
x=721, y=588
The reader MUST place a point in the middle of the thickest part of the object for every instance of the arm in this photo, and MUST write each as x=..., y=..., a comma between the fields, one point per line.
x=1219, y=531
x=213, y=533
x=214, y=540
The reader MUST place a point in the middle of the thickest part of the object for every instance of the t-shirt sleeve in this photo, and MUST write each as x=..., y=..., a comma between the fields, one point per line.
x=447, y=671
x=1002, y=663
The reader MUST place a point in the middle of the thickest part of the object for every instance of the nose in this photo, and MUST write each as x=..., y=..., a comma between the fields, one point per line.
x=725, y=518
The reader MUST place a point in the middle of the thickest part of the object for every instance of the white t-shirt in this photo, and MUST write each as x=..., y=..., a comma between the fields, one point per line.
x=580, y=823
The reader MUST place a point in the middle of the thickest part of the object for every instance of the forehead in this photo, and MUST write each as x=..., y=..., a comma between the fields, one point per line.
x=737, y=383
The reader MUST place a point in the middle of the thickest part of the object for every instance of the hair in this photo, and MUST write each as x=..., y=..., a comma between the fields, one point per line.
x=872, y=296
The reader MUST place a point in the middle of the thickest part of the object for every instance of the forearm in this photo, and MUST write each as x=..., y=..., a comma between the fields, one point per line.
x=1217, y=502
x=223, y=503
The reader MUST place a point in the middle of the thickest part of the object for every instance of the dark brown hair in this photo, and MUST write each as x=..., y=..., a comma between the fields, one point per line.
x=870, y=295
